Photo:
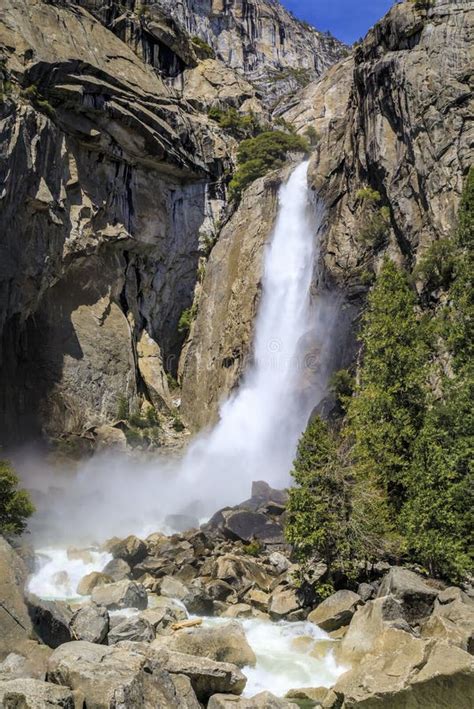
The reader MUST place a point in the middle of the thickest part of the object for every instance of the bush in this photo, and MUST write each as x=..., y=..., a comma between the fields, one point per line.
x=185, y=320
x=312, y=135
x=342, y=385
x=240, y=125
x=375, y=228
x=368, y=195
x=42, y=104
x=257, y=156
x=437, y=265
x=15, y=505
x=123, y=409
x=254, y=548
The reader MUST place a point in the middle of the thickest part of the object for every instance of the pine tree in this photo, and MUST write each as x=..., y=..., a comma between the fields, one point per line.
x=319, y=507
x=386, y=413
x=15, y=505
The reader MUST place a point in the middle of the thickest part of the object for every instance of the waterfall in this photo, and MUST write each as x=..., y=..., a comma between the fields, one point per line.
x=257, y=434
x=259, y=426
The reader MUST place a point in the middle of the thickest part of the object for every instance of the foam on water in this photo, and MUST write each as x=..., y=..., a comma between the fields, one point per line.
x=57, y=575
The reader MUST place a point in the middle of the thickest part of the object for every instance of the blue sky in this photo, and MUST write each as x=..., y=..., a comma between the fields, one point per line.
x=345, y=19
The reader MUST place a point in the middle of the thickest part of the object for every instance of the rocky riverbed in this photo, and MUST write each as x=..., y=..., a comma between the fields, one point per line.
x=212, y=616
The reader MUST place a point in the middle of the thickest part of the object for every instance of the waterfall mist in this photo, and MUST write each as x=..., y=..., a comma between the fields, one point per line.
x=259, y=426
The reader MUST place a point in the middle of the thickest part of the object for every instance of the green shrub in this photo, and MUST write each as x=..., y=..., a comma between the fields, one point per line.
x=42, y=104
x=312, y=135
x=177, y=424
x=368, y=195
x=437, y=265
x=123, y=409
x=186, y=318
x=375, y=227
x=203, y=50
x=240, y=125
x=15, y=504
x=257, y=156
x=342, y=385
x=254, y=548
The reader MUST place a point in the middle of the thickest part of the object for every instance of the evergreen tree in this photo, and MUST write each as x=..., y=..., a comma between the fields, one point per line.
x=15, y=505
x=386, y=413
x=319, y=508
x=438, y=518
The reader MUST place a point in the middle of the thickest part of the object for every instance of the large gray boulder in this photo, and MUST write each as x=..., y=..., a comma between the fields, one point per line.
x=173, y=588
x=336, y=611
x=137, y=629
x=127, y=676
x=121, y=594
x=368, y=623
x=117, y=569
x=28, y=662
x=34, y=694
x=132, y=549
x=405, y=671
x=207, y=676
x=15, y=622
x=90, y=623
x=283, y=602
x=164, y=613
x=412, y=590
x=246, y=525
x=51, y=620
x=223, y=643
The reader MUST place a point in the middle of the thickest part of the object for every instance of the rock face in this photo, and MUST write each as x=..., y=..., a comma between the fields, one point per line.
x=221, y=337
x=15, y=622
x=111, y=171
x=393, y=118
x=260, y=39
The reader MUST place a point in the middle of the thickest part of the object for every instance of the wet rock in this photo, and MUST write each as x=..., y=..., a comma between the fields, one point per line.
x=121, y=594
x=132, y=550
x=117, y=569
x=223, y=643
x=198, y=601
x=34, y=694
x=50, y=620
x=164, y=613
x=127, y=675
x=135, y=629
x=91, y=581
x=284, y=601
x=207, y=677
x=335, y=611
x=90, y=623
x=412, y=590
x=84, y=555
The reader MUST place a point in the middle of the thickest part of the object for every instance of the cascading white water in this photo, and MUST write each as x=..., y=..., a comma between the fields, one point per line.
x=259, y=426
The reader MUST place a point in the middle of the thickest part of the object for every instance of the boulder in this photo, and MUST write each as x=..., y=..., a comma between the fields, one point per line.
x=221, y=591
x=34, y=694
x=257, y=599
x=241, y=572
x=264, y=700
x=263, y=492
x=198, y=601
x=239, y=610
x=15, y=622
x=117, y=569
x=335, y=611
x=91, y=581
x=85, y=555
x=127, y=675
x=173, y=588
x=132, y=550
x=207, y=676
x=279, y=561
x=50, y=620
x=90, y=623
x=405, y=671
x=121, y=594
x=412, y=590
x=110, y=438
x=245, y=525
x=223, y=643
x=366, y=591
x=308, y=696
x=136, y=629
x=368, y=623
x=164, y=613
x=283, y=601
x=453, y=622
x=29, y=662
